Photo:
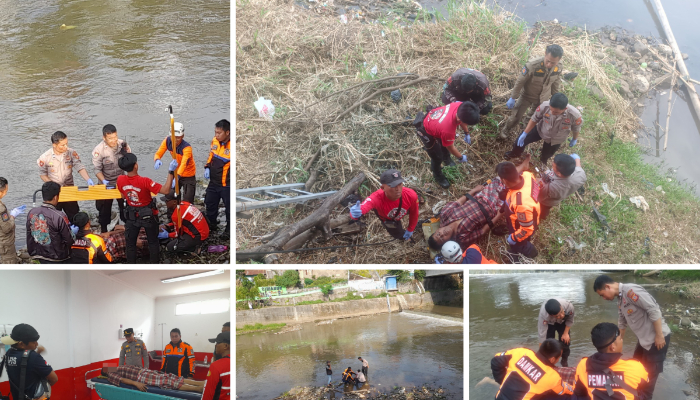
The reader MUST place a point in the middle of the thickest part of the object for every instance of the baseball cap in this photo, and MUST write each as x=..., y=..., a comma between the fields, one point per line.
x=391, y=177
x=21, y=333
x=128, y=331
x=223, y=337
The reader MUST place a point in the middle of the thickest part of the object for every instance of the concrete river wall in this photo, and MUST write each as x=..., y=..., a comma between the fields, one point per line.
x=345, y=309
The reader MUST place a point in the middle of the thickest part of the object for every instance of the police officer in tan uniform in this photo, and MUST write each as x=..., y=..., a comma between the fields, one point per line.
x=105, y=158
x=638, y=310
x=538, y=81
x=8, y=253
x=133, y=350
x=556, y=316
x=57, y=165
x=552, y=123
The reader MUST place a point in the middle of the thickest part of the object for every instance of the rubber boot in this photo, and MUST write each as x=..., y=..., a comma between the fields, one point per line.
x=438, y=175
x=449, y=162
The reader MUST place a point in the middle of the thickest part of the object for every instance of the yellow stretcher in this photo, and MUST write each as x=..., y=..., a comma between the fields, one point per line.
x=81, y=193
x=428, y=229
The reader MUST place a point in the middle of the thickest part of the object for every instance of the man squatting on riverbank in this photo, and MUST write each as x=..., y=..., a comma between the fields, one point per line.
x=640, y=311
x=556, y=316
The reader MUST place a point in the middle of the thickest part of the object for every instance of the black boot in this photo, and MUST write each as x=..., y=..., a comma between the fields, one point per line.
x=449, y=162
x=438, y=175
x=442, y=181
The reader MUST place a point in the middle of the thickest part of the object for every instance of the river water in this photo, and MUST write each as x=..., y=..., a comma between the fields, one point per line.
x=637, y=17
x=402, y=349
x=122, y=64
x=503, y=310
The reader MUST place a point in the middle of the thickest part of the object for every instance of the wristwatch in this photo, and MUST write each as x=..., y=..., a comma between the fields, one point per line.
x=171, y=173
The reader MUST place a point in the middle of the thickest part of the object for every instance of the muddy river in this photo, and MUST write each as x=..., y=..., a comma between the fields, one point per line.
x=503, y=311
x=402, y=349
x=120, y=63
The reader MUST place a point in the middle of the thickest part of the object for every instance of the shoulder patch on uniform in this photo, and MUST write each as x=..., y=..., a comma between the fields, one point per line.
x=5, y=216
x=630, y=310
x=75, y=155
x=556, y=69
x=579, y=121
x=538, y=109
x=41, y=163
x=96, y=154
x=525, y=70
x=632, y=295
x=522, y=217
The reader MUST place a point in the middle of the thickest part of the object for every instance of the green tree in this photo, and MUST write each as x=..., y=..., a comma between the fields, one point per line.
x=290, y=278
x=308, y=281
x=419, y=274
x=327, y=289
x=401, y=275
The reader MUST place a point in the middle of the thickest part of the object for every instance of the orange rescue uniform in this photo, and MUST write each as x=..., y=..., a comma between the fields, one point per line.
x=525, y=375
x=591, y=380
x=183, y=155
x=178, y=359
x=193, y=222
x=484, y=260
x=524, y=207
x=219, y=162
x=90, y=249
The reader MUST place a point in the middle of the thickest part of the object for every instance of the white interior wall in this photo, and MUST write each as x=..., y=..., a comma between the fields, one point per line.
x=196, y=329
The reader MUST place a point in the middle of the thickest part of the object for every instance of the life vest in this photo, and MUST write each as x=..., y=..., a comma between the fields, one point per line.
x=84, y=249
x=219, y=162
x=527, y=377
x=524, y=208
x=193, y=221
x=178, y=359
x=632, y=372
x=484, y=260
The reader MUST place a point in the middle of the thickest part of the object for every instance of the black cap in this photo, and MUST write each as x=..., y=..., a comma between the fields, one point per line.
x=127, y=162
x=553, y=307
x=21, y=333
x=391, y=177
x=128, y=331
x=81, y=219
x=223, y=337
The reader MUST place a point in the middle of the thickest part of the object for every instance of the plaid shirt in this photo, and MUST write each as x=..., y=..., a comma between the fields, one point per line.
x=147, y=376
x=116, y=245
x=568, y=374
x=469, y=230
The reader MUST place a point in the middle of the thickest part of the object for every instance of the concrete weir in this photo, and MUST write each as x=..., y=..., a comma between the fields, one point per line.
x=345, y=309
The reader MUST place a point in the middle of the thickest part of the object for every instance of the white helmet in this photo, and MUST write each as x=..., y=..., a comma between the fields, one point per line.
x=451, y=252
x=179, y=129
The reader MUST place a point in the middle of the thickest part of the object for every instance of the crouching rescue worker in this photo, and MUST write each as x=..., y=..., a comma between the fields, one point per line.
x=551, y=123
x=391, y=203
x=468, y=84
x=452, y=254
x=438, y=130
x=24, y=354
x=347, y=375
x=141, y=211
x=194, y=229
x=133, y=351
x=523, y=207
x=178, y=356
x=88, y=248
x=605, y=375
x=524, y=374
x=556, y=316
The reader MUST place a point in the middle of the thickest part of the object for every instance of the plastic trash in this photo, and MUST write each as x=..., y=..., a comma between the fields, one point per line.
x=218, y=248
x=644, y=65
x=265, y=108
x=606, y=190
x=373, y=71
x=572, y=243
x=396, y=95
x=438, y=206
x=640, y=202
x=344, y=19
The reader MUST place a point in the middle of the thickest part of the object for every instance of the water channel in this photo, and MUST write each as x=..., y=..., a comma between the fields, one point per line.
x=402, y=349
x=503, y=311
x=122, y=63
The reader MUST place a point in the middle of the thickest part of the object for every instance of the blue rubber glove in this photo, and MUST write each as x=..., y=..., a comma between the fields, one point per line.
x=510, y=103
x=105, y=182
x=407, y=235
x=572, y=142
x=356, y=211
x=157, y=164
x=18, y=210
x=510, y=241
x=438, y=259
x=74, y=229
x=90, y=182
x=173, y=185
x=206, y=173
x=463, y=159
x=163, y=234
x=521, y=139
x=173, y=165
x=468, y=138
x=575, y=156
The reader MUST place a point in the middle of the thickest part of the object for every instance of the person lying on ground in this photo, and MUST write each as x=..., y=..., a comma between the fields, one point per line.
x=552, y=122
x=564, y=179
x=140, y=377
x=468, y=84
x=524, y=374
x=594, y=373
x=556, y=317
x=115, y=241
x=452, y=254
x=391, y=203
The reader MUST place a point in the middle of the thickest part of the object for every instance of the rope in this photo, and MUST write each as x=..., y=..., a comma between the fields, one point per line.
x=262, y=253
x=515, y=258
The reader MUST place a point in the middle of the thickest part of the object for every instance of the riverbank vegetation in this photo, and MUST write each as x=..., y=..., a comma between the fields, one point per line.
x=317, y=71
x=260, y=328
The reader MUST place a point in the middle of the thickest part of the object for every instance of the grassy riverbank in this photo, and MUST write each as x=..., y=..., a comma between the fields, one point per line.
x=297, y=58
x=260, y=328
